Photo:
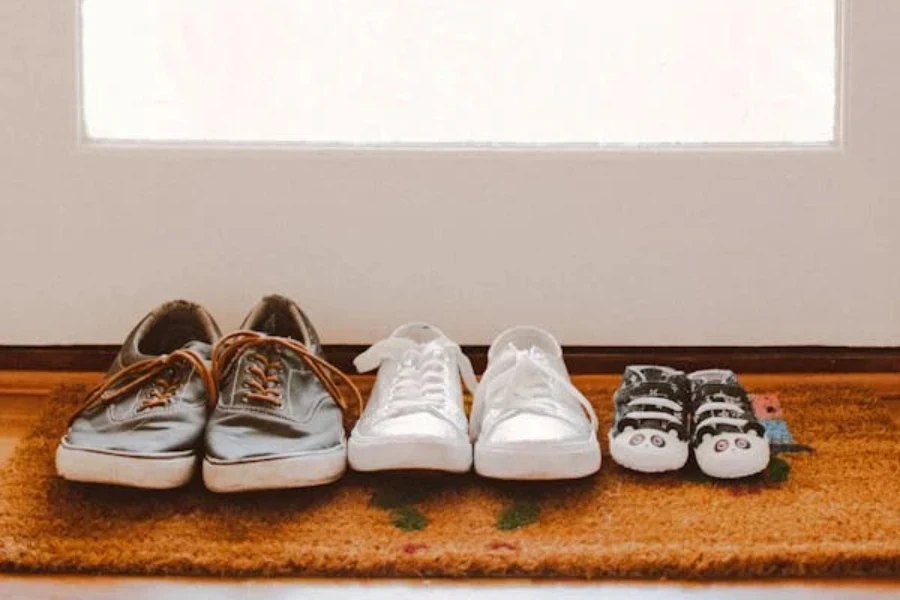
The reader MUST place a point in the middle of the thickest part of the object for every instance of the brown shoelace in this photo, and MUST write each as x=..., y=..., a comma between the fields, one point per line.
x=140, y=373
x=265, y=384
x=266, y=381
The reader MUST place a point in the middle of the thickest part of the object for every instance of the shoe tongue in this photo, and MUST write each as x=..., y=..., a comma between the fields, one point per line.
x=508, y=352
x=713, y=376
x=277, y=316
x=507, y=357
x=276, y=325
x=128, y=355
x=131, y=354
x=438, y=344
x=421, y=334
x=201, y=349
x=269, y=326
x=650, y=374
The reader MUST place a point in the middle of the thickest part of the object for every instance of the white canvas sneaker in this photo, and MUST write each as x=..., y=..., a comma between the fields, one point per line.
x=528, y=420
x=415, y=417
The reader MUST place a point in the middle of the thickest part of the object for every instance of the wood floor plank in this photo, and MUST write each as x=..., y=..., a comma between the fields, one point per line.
x=31, y=383
x=571, y=590
x=28, y=587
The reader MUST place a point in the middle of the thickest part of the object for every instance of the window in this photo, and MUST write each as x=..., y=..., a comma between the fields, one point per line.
x=758, y=242
x=579, y=72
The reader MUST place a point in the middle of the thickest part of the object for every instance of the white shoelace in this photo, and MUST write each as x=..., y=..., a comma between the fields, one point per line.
x=421, y=381
x=656, y=402
x=528, y=387
x=714, y=420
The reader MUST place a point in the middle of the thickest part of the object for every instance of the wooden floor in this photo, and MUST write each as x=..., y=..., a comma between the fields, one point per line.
x=23, y=394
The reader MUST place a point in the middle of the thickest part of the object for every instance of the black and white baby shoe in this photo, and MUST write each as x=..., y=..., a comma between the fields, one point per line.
x=651, y=429
x=728, y=440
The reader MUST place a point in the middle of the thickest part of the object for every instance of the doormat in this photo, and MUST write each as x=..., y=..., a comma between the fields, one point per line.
x=828, y=505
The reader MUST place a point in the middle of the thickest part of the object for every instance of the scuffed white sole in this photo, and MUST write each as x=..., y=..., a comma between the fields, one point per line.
x=409, y=452
x=279, y=472
x=541, y=462
x=627, y=456
x=149, y=471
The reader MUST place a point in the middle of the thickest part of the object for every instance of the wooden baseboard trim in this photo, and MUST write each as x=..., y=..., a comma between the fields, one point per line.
x=581, y=359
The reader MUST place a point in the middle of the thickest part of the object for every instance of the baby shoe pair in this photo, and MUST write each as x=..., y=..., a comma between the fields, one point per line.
x=662, y=414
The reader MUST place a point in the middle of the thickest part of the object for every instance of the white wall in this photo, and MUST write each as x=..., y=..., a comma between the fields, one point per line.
x=602, y=247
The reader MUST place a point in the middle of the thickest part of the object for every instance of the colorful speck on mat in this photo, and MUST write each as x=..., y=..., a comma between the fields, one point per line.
x=769, y=412
x=399, y=498
x=832, y=512
x=520, y=513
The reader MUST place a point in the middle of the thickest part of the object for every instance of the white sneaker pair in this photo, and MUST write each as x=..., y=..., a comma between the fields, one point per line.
x=528, y=421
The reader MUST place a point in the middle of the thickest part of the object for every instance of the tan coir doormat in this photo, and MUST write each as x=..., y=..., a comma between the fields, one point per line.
x=831, y=511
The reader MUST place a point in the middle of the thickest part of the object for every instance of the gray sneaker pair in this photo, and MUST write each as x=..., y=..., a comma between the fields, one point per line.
x=262, y=401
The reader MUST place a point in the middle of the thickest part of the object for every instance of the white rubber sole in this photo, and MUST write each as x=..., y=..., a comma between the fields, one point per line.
x=540, y=462
x=727, y=468
x=148, y=471
x=409, y=453
x=291, y=471
x=643, y=461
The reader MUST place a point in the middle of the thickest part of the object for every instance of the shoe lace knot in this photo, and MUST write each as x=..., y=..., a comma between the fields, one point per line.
x=162, y=388
x=531, y=385
x=165, y=374
x=423, y=374
x=264, y=377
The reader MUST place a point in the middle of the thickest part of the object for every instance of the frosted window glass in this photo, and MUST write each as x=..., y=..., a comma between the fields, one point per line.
x=460, y=71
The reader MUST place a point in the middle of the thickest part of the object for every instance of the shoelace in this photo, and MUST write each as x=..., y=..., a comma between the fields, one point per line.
x=735, y=406
x=136, y=375
x=265, y=382
x=421, y=381
x=714, y=420
x=655, y=402
x=527, y=387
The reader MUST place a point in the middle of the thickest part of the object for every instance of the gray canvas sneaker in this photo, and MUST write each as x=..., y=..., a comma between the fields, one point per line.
x=142, y=425
x=279, y=420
